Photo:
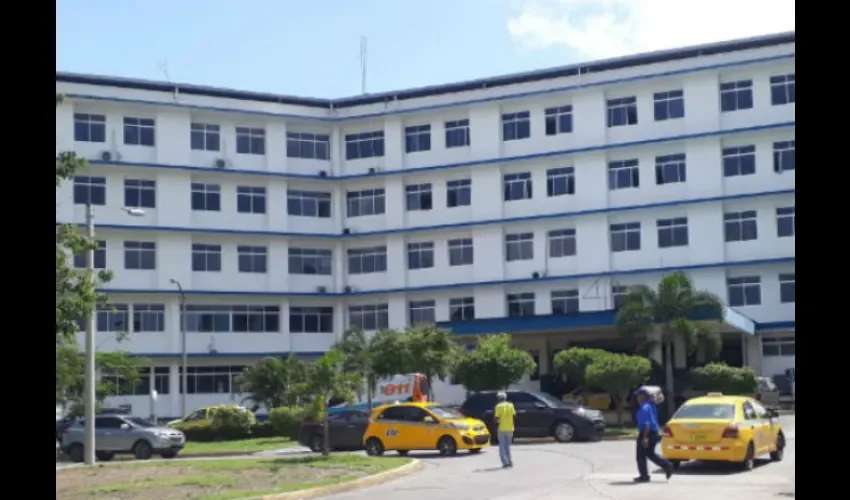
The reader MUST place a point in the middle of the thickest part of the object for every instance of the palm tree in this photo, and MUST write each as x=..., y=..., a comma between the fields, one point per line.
x=673, y=311
x=357, y=350
x=271, y=381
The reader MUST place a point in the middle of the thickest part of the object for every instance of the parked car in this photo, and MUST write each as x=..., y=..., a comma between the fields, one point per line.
x=206, y=413
x=346, y=431
x=121, y=434
x=538, y=415
x=68, y=420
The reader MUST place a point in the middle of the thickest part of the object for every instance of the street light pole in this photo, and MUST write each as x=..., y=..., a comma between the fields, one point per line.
x=89, y=390
x=184, y=358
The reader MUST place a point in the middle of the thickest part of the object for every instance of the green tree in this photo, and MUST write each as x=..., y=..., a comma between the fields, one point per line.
x=388, y=353
x=573, y=363
x=493, y=365
x=121, y=375
x=618, y=374
x=431, y=351
x=271, y=382
x=718, y=377
x=358, y=352
x=671, y=311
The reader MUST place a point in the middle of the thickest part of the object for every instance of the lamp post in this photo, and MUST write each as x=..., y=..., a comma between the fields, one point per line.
x=184, y=361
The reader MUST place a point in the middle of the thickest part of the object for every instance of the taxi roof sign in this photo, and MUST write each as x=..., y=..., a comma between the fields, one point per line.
x=715, y=395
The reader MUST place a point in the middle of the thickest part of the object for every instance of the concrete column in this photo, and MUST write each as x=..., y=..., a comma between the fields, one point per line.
x=173, y=392
x=656, y=353
x=545, y=356
x=680, y=353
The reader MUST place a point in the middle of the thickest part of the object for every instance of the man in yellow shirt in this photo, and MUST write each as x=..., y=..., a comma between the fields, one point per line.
x=504, y=414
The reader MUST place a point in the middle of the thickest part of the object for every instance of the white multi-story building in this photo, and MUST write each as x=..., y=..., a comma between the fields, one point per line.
x=523, y=204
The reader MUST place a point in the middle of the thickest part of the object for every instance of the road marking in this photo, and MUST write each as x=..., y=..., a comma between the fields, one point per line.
x=748, y=478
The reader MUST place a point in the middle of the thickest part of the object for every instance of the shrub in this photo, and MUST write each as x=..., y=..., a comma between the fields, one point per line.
x=286, y=420
x=264, y=430
x=231, y=422
x=200, y=431
x=719, y=377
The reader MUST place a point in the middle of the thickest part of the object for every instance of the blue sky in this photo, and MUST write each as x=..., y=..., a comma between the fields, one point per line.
x=312, y=48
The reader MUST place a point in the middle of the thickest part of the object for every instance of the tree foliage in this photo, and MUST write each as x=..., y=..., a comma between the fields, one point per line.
x=493, y=365
x=122, y=375
x=431, y=351
x=272, y=381
x=573, y=363
x=618, y=374
x=719, y=377
x=387, y=348
x=358, y=352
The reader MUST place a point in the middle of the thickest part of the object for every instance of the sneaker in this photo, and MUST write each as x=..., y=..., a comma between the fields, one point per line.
x=641, y=479
x=669, y=471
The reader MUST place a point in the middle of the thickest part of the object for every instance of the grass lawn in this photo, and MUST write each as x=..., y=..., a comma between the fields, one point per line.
x=215, y=479
x=621, y=431
x=240, y=445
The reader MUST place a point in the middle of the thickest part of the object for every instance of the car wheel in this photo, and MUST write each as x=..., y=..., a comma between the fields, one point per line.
x=779, y=454
x=447, y=446
x=75, y=453
x=475, y=451
x=374, y=447
x=676, y=463
x=143, y=450
x=749, y=458
x=316, y=443
x=403, y=452
x=564, y=432
x=169, y=454
x=104, y=456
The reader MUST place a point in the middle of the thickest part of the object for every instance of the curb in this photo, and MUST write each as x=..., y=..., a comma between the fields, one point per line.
x=363, y=482
x=618, y=438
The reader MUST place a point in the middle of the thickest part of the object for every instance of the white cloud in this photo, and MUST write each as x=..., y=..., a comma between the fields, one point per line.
x=593, y=29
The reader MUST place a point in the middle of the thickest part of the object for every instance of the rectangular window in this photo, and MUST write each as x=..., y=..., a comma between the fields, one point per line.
x=89, y=128
x=565, y=302
x=89, y=190
x=559, y=120
x=366, y=202
x=786, y=288
x=419, y=197
x=417, y=138
x=206, y=197
x=520, y=304
x=517, y=186
x=740, y=226
x=364, y=145
x=252, y=259
x=519, y=246
x=516, y=126
x=308, y=204
x=308, y=146
x=311, y=320
x=782, y=89
x=139, y=131
x=669, y=105
x=205, y=137
x=786, y=222
x=457, y=134
x=113, y=318
x=140, y=255
x=208, y=319
x=367, y=260
x=420, y=255
x=618, y=295
x=622, y=112
x=139, y=193
x=250, y=199
x=784, y=153
x=210, y=379
x=369, y=317
x=99, y=257
x=206, y=258
x=256, y=319
x=739, y=161
x=422, y=311
x=779, y=347
x=148, y=317
x=310, y=261
x=250, y=141
x=461, y=252
x=623, y=174
x=625, y=237
x=744, y=291
x=560, y=181
x=735, y=96
x=672, y=232
x=670, y=169
x=462, y=309
x=562, y=243
x=459, y=193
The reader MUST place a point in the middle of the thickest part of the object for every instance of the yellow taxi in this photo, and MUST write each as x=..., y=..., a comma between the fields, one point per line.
x=715, y=427
x=206, y=413
x=407, y=426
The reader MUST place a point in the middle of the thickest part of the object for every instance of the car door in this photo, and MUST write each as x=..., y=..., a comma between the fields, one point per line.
x=533, y=417
x=425, y=428
x=353, y=428
x=336, y=430
x=107, y=431
x=753, y=427
x=767, y=429
x=391, y=428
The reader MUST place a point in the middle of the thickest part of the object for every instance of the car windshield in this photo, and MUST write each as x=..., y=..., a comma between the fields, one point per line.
x=551, y=401
x=706, y=411
x=141, y=422
x=443, y=412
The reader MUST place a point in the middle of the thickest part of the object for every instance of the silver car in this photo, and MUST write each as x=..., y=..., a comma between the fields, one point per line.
x=123, y=434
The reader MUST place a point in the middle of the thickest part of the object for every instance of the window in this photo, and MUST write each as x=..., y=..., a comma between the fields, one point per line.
x=461, y=252
x=252, y=259
x=625, y=237
x=208, y=319
x=420, y=255
x=139, y=131
x=739, y=161
x=369, y=317
x=786, y=288
x=672, y=232
x=364, y=145
x=308, y=146
x=559, y=120
x=669, y=105
x=113, y=318
x=782, y=89
x=516, y=126
x=419, y=197
x=786, y=222
x=310, y=261
x=457, y=134
x=519, y=246
x=89, y=128
x=256, y=319
x=520, y=304
x=367, y=260
x=250, y=199
x=149, y=317
x=417, y=138
x=670, y=169
x=623, y=174
x=139, y=193
x=236, y=318
x=205, y=137
x=560, y=181
x=562, y=243
x=308, y=204
x=422, y=311
x=740, y=226
x=565, y=302
x=517, y=186
x=744, y=291
x=459, y=193
x=366, y=202
x=210, y=379
x=618, y=295
x=311, y=320
x=99, y=257
x=783, y=155
x=462, y=309
x=735, y=96
x=206, y=258
x=160, y=378
x=779, y=346
x=89, y=190
x=108, y=422
x=250, y=141
x=140, y=255
x=622, y=112
x=206, y=197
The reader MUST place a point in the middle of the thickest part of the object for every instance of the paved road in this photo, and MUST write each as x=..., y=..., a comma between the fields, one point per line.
x=582, y=471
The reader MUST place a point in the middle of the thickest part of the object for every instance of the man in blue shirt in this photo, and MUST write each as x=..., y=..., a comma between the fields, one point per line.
x=646, y=419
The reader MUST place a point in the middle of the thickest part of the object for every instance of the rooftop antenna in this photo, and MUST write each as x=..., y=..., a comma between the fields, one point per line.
x=363, y=64
x=163, y=66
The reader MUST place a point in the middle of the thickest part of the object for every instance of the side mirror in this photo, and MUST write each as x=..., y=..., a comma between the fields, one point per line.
x=429, y=420
x=125, y=427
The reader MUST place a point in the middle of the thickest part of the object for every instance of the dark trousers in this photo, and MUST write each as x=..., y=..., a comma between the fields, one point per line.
x=648, y=452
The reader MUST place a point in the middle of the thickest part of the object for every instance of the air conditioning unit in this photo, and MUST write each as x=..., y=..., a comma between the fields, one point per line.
x=372, y=170
x=322, y=289
x=535, y=275
x=106, y=156
x=346, y=231
x=323, y=173
x=220, y=163
x=349, y=288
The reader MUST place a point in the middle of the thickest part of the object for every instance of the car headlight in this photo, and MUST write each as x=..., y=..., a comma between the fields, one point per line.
x=161, y=435
x=461, y=427
x=581, y=412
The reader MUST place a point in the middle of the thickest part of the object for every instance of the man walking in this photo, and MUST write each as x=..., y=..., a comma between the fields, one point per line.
x=504, y=414
x=647, y=424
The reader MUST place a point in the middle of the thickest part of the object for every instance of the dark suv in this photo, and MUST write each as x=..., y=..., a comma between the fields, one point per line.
x=538, y=415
